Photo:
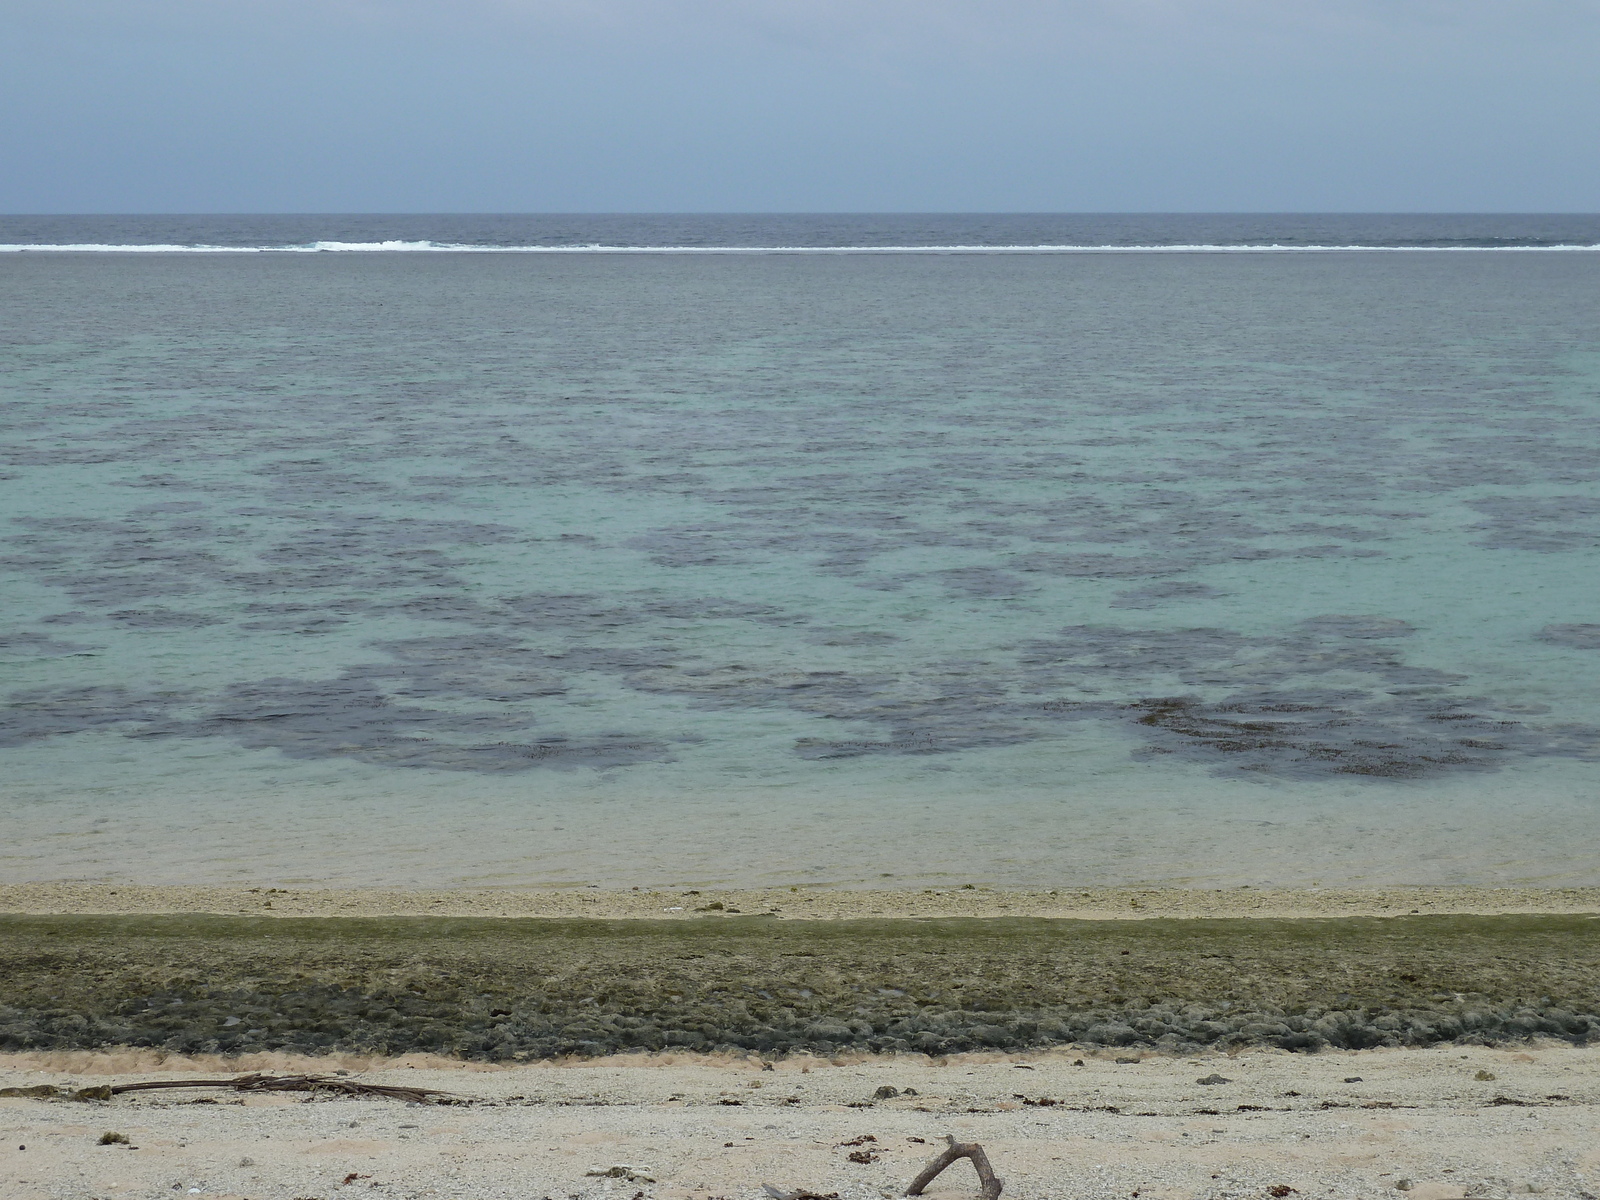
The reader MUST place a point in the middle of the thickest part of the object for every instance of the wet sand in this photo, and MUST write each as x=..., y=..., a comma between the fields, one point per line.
x=687, y=1127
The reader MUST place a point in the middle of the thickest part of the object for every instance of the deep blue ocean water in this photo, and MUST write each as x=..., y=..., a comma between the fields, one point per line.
x=1204, y=562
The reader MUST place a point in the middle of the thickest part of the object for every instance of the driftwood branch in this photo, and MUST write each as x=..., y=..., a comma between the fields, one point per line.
x=990, y=1182
x=285, y=1083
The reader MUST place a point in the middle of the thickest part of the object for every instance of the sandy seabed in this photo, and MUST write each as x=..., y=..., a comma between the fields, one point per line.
x=1437, y=1123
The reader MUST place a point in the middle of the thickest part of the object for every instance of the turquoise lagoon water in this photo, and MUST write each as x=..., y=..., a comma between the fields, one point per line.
x=1036, y=567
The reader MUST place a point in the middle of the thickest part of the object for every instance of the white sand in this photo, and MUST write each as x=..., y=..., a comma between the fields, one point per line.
x=809, y=903
x=540, y=1129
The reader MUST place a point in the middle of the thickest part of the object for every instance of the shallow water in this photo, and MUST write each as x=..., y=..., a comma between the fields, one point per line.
x=757, y=568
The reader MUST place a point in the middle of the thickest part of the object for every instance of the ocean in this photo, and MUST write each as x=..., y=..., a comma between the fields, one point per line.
x=907, y=551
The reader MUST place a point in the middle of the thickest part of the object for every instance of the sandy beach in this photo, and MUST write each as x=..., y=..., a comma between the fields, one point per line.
x=796, y=903
x=1439, y=1123
x=690, y=1045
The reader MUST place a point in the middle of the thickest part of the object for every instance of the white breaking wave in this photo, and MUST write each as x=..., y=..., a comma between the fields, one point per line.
x=399, y=247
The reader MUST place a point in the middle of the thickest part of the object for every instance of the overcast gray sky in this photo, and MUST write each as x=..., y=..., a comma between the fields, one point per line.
x=799, y=105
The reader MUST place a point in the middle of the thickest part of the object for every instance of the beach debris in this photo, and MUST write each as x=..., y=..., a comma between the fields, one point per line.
x=886, y=1092
x=1404, y=1185
x=1128, y=1061
x=1485, y=1076
x=46, y=1091
x=1214, y=1078
x=862, y=1156
x=987, y=1179
x=274, y=1083
x=1352, y=1079
x=112, y=1138
x=801, y=1194
x=622, y=1171
x=1280, y=1190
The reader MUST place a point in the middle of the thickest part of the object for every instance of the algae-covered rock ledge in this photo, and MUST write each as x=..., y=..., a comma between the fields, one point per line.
x=519, y=989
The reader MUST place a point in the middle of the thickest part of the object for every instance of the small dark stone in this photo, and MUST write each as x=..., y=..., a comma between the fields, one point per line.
x=1213, y=1078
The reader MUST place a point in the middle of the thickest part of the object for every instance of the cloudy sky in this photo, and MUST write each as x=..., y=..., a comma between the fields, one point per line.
x=799, y=105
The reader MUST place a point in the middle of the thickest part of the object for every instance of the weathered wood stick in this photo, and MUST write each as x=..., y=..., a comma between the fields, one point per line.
x=987, y=1179
x=285, y=1083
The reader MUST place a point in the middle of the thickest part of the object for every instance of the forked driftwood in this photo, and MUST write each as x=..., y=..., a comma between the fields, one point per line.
x=990, y=1182
x=987, y=1179
x=285, y=1083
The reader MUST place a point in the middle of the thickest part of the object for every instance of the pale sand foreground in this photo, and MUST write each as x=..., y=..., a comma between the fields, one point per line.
x=699, y=1127
x=806, y=903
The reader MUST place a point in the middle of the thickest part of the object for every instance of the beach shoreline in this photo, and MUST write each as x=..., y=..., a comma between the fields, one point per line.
x=696, y=1044
x=795, y=903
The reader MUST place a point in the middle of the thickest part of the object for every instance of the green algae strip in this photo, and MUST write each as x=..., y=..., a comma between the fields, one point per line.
x=518, y=989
